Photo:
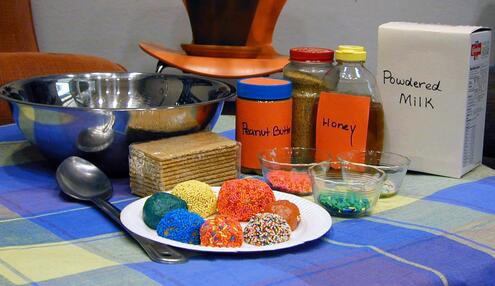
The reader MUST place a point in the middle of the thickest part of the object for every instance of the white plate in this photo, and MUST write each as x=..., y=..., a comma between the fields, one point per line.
x=315, y=222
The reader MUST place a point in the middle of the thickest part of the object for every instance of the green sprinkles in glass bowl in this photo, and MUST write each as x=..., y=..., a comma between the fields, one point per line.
x=346, y=189
x=345, y=204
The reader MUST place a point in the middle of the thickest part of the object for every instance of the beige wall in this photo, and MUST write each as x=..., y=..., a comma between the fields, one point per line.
x=113, y=28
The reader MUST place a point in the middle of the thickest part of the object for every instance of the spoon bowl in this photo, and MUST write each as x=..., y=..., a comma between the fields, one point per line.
x=82, y=180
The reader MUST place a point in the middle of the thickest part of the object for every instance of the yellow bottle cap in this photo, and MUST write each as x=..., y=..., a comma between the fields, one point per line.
x=350, y=53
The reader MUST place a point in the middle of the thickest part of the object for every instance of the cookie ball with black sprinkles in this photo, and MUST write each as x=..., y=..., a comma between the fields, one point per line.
x=180, y=225
x=265, y=229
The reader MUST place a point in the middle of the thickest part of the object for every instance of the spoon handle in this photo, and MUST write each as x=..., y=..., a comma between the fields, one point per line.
x=157, y=252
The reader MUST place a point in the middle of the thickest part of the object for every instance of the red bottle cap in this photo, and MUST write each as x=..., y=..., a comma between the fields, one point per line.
x=311, y=54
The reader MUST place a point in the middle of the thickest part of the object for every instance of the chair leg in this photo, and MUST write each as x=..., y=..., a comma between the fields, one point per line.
x=5, y=113
x=160, y=66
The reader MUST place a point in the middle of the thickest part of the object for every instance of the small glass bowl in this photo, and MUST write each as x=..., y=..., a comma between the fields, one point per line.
x=346, y=189
x=394, y=165
x=286, y=169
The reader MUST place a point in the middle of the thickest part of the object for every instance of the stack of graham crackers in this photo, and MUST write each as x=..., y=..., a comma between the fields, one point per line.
x=160, y=165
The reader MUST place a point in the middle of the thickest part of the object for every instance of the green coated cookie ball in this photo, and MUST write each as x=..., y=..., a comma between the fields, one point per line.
x=158, y=205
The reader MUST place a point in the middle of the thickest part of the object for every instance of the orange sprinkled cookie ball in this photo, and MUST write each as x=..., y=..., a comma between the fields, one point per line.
x=289, y=211
x=221, y=231
x=243, y=198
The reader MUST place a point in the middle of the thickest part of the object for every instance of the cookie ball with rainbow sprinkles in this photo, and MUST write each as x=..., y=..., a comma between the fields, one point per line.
x=265, y=229
x=221, y=231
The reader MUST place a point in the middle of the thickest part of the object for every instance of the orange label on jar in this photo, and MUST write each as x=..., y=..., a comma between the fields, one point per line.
x=261, y=126
x=341, y=124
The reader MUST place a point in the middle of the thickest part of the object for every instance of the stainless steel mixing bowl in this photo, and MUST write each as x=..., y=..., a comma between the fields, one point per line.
x=97, y=115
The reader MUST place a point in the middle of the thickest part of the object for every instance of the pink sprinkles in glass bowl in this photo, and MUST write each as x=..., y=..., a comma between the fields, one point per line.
x=265, y=229
x=292, y=182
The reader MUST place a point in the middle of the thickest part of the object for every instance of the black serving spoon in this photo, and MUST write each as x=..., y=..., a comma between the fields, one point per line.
x=82, y=180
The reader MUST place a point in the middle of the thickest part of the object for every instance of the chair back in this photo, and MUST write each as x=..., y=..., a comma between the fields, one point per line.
x=16, y=27
x=265, y=19
x=232, y=28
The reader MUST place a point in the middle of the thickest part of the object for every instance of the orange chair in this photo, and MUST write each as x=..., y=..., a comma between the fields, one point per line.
x=16, y=27
x=256, y=57
x=19, y=57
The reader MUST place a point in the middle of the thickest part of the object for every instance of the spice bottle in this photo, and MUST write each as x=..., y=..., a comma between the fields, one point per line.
x=350, y=111
x=306, y=69
x=263, y=119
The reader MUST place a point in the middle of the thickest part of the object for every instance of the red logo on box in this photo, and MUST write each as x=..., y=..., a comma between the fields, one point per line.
x=476, y=50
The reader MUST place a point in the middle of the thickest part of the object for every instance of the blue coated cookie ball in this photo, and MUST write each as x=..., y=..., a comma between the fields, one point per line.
x=180, y=225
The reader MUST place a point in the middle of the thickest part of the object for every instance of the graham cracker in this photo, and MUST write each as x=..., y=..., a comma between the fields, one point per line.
x=180, y=177
x=186, y=145
x=167, y=181
x=185, y=177
x=135, y=161
x=160, y=165
x=193, y=168
x=139, y=155
x=151, y=171
x=144, y=190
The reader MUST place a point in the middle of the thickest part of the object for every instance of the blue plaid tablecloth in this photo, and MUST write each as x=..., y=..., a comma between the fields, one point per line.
x=437, y=231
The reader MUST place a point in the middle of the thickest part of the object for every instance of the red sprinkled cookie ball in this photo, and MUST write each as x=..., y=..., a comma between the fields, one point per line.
x=289, y=211
x=221, y=231
x=243, y=198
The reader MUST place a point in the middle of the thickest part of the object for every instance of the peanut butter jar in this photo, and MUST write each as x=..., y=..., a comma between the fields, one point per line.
x=264, y=118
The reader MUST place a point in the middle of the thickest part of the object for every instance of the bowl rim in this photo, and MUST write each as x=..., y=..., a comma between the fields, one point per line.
x=391, y=167
x=232, y=91
x=263, y=160
x=383, y=175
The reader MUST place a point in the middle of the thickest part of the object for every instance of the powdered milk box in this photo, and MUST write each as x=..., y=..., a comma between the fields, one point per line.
x=433, y=82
